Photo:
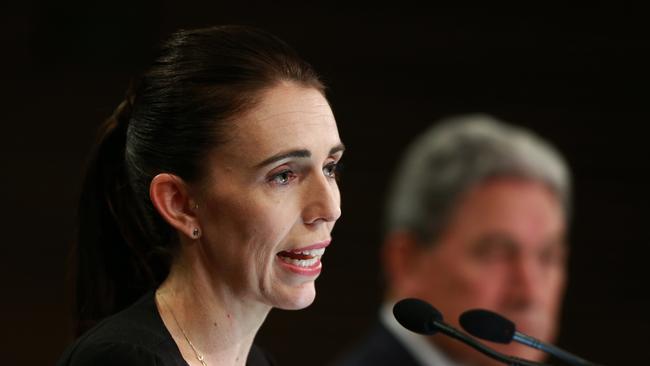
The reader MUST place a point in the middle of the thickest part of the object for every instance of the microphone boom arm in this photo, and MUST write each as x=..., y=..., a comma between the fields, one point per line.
x=512, y=361
x=550, y=349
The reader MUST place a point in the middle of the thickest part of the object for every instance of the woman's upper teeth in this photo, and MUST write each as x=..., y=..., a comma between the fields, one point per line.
x=312, y=252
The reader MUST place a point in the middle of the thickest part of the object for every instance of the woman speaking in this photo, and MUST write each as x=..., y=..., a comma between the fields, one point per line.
x=209, y=200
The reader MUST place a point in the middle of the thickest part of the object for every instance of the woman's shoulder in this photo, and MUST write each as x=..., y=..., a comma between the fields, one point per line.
x=134, y=336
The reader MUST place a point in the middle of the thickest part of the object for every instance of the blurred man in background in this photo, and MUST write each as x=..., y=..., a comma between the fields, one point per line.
x=477, y=218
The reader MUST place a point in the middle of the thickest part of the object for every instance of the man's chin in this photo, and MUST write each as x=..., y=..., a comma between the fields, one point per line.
x=466, y=355
x=521, y=351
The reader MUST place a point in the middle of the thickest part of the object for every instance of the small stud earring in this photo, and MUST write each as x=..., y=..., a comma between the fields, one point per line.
x=196, y=233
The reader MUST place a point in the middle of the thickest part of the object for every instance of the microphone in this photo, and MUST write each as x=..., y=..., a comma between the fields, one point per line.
x=420, y=317
x=493, y=327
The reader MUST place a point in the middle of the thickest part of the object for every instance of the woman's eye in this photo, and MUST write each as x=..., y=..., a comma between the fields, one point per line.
x=332, y=170
x=282, y=178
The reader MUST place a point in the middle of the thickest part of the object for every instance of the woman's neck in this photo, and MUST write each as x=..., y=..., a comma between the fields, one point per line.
x=199, y=310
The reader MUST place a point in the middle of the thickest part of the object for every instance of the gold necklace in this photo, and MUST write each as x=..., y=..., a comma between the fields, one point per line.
x=196, y=353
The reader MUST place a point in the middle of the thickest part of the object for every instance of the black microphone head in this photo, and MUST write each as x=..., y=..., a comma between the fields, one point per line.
x=487, y=325
x=417, y=316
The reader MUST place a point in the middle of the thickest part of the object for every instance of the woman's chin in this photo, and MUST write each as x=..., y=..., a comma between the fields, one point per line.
x=297, y=298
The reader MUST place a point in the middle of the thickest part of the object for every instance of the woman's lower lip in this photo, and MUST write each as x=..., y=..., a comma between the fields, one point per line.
x=312, y=270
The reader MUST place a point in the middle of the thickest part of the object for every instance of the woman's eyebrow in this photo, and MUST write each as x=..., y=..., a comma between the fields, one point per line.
x=300, y=153
x=337, y=148
x=283, y=155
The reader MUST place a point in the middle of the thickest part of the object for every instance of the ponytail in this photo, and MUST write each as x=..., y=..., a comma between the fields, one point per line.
x=112, y=266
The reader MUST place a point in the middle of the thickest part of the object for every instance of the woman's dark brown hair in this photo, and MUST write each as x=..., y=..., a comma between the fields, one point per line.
x=171, y=117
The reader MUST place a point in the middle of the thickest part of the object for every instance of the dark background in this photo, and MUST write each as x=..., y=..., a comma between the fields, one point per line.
x=577, y=76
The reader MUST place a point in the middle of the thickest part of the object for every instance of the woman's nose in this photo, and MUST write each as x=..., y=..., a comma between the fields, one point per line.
x=322, y=201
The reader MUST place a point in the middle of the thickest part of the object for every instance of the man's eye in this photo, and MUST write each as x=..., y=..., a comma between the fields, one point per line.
x=553, y=256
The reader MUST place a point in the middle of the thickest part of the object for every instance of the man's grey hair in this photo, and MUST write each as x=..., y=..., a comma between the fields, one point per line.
x=457, y=154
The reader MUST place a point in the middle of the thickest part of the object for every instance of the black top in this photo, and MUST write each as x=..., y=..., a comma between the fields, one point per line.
x=135, y=336
x=379, y=348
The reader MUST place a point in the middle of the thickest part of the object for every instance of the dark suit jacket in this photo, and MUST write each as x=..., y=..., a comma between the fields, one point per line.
x=379, y=348
x=135, y=336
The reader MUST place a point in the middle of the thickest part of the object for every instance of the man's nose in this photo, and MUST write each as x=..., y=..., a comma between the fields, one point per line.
x=526, y=281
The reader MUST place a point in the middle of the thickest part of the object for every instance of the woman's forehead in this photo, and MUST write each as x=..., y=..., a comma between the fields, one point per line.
x=287, y=117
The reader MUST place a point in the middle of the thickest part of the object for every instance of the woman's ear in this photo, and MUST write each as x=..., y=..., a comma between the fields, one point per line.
x=170, y=196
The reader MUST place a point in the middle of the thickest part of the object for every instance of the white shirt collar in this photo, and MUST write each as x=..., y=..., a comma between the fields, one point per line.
x=418, y=345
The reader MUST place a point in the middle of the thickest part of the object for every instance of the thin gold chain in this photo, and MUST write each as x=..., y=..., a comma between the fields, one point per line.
x=196, y=353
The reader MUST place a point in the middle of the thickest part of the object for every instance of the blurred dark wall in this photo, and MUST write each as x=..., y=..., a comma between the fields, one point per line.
x=577, y=76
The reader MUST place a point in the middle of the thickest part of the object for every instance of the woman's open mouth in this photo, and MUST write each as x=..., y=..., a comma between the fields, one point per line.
x=304, y=261
x=304, y=258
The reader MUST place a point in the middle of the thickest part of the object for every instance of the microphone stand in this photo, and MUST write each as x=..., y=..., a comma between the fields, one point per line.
x=509, y=360
x=550, y=349
x=488, y=325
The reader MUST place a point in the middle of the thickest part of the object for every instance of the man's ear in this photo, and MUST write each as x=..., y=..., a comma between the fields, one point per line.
x=399, y=257
x=170, y=196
